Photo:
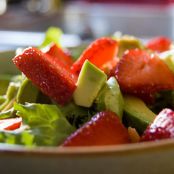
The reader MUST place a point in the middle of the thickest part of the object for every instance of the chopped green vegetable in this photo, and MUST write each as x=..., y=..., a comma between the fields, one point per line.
x=127, y=42
x=53, y=34
x=137, y=114
x=110, y=98
x=168, y=58
x=47, y=123
x=91, y=79
x=76, y=115
x=7, y=114
x=21, y=138
x=10, y=96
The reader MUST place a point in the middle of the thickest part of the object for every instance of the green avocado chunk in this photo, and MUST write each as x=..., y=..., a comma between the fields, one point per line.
x=168, y=58
x=127, y=42
x=137, y=114
x=27, y=92
x=110, y=98
x=90, y=81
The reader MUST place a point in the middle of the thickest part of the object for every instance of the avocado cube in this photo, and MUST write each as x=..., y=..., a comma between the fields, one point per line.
x=90, y=81
x=110, y=98
x=137, y=114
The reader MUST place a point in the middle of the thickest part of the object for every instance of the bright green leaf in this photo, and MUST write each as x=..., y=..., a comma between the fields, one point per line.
x=47, y=123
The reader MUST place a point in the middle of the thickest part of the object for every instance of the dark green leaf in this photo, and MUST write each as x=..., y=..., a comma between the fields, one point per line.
x=76, y=115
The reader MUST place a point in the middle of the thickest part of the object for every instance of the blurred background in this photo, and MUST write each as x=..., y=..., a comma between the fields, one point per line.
x=86, y=18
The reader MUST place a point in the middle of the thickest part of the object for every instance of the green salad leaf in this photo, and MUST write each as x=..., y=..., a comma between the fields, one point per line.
x=21, y=138
x=10, y=96
x=53, y=34
x=47, y=123
x=76, y=115
x=7, y=114
x=7, y=100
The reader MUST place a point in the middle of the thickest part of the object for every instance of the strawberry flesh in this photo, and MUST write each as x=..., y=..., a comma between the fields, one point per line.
x=161, y=128
x=10, y=123
x=104, y=128
x=99, y=52
x=58, y=53
x=51, y=76
x=143, y=75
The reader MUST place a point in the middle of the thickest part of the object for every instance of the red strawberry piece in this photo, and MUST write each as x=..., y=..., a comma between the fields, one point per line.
x=58, y=53
x=98, y=52
x=161, y=128
x=52, y=77
x=159, y=44
x=109, y=67
x=104, y=128
x=112, y=66
x=143, y=75
x=10, y=124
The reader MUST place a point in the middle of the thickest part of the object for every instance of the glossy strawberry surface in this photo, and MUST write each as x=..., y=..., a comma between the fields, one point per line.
x=143, y=75
x=49, y=75
x=104, y=128
x=99, y=52
x=161, y=128
x=58, y=53
x=159, y=44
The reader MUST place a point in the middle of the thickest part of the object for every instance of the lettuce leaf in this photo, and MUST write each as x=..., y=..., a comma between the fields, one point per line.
x=7, y=114
x=53, y=34
x=7, y=100
x=76, y=115
x=21, y=138
x=46, y=122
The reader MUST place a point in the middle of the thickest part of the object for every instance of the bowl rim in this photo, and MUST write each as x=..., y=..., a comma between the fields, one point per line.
x=93, y=151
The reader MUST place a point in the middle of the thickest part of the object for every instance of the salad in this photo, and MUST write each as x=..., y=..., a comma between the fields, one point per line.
x=116, y=90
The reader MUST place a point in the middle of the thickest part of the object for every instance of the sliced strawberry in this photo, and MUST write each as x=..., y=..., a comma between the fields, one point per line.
x=161, y=128
x=52, y=77
x=109, y=67
x=98, y=52
x=104, y=128
x=113, y=67
x=10, y=124
x=60, y=54
x=143, y=75
x=159, y=44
